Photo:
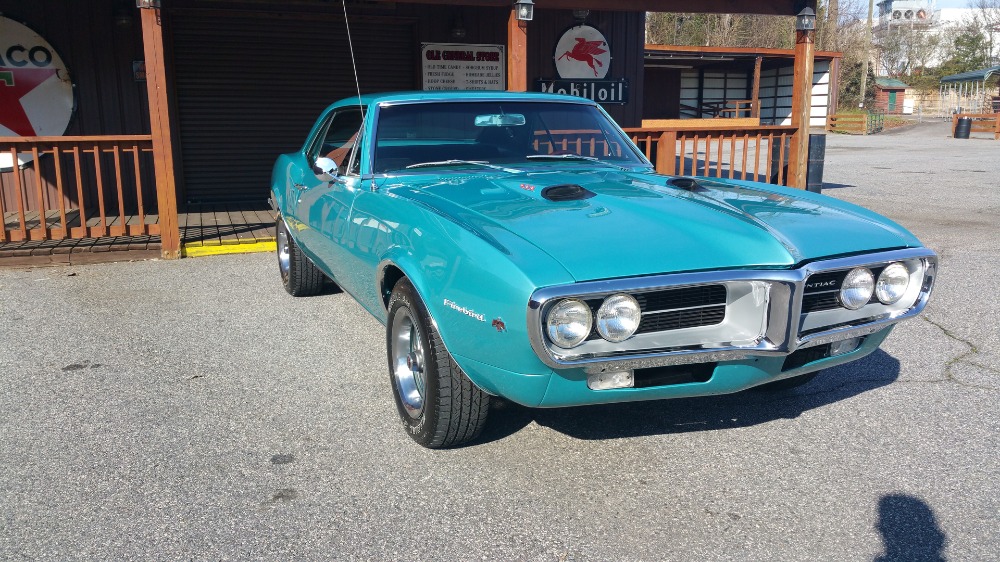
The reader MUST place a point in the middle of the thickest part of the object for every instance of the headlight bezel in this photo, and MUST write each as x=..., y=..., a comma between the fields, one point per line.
x=879, y=285
x=610, y=301
x=581, y=335
x=862, y=276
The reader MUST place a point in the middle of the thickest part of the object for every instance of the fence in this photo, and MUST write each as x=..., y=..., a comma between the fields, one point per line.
x=748, y=153
x=856, y=123
x=77, y=187
x=981, y=123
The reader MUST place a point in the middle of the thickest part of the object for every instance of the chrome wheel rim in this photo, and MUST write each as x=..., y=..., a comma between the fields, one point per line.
x=408, y=362
x=284, y=256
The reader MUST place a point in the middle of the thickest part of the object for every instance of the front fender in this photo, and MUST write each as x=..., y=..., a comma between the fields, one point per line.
x=477, y=297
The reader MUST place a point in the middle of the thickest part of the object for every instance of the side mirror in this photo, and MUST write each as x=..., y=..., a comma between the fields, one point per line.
x=325, y=169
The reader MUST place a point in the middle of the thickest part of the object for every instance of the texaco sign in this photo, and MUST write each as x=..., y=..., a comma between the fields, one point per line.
x=36, y=94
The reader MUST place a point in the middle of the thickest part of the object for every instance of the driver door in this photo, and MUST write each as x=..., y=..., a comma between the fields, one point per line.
x=323, y=205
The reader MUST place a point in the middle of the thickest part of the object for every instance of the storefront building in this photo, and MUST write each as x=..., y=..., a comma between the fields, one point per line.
x=174, y=103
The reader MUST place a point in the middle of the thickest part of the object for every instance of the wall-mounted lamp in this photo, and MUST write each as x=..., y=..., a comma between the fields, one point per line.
x=581, y=15
x=524, y=9
x=458, y=30
x=123, y=14
x=806, y=20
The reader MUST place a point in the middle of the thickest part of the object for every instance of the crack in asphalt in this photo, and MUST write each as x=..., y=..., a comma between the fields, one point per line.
x=949, y=376
x=962, y=357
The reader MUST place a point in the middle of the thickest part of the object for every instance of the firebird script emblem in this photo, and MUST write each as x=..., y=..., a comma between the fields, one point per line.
x=468, y=312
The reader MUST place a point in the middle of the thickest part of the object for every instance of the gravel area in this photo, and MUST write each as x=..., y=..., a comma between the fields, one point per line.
x=192, y=410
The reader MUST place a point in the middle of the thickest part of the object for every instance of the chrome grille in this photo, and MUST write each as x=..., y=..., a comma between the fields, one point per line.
x=821, y=289
x=675, y=309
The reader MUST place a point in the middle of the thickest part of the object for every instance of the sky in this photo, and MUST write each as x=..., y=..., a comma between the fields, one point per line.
x=952, y=3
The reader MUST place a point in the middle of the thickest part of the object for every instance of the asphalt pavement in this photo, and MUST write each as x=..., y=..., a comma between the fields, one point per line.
x=169, y=410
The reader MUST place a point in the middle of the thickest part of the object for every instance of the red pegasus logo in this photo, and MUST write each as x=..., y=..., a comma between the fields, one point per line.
x=584, y=51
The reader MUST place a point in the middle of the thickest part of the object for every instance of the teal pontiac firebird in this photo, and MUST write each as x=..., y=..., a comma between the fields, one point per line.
x=520, y=246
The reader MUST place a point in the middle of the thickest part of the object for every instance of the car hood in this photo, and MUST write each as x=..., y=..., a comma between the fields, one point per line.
x=638, y=224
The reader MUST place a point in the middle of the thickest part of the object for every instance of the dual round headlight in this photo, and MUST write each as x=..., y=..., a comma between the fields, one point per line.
x=860, y=284
x=570, y=321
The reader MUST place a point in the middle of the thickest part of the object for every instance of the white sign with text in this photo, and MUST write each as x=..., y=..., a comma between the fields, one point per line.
x=450, y=66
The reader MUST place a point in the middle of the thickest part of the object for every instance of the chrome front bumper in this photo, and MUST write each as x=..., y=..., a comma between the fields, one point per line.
x=781, y=320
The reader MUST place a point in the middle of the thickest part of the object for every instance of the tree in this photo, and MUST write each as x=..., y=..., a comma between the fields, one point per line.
x=969, y=50
x=988, y=12
x=720, y=30
x=903, y=50
x=850, y=85
x=840, y=27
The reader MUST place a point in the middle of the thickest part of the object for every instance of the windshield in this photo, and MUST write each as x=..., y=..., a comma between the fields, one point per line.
x=410, y=135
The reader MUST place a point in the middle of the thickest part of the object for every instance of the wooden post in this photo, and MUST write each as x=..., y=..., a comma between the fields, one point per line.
x=801, y=108
x=517, y=53
x=666, y=153
x=755, y=93
x=159, y=125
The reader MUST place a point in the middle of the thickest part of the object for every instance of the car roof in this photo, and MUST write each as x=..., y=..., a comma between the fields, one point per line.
x=457, y=95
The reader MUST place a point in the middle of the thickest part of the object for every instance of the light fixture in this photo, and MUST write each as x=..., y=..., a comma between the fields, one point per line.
x=123, y=14
x=524, y=10
x=581, y=15
x=458, y=30
x=806, y=20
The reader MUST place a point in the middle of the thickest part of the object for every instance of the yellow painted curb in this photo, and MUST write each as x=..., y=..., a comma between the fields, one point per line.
x=248, y=248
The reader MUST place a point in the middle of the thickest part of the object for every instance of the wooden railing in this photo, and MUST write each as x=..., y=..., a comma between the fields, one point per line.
x=77, y=187
x=719, y=109
x=856, y=123
x=587, y=142
x=746, y=153
x=981, y=123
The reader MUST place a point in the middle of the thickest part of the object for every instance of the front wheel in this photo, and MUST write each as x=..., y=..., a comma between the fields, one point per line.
x=299, y=276
x=438, y=404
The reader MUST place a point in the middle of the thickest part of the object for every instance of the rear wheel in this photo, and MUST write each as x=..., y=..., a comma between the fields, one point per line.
x=437, y=403
x=300, y=277
x=787, y=384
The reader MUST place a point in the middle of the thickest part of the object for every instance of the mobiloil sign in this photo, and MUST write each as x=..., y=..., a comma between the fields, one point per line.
x=601, y=91
x=582, y=59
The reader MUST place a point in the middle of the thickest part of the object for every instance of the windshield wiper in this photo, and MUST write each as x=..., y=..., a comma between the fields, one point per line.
x=575, y=157
x=456, y=162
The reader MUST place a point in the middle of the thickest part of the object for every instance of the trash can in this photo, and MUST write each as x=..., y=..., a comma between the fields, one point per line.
x=776, y=157
x=963, y=128
x=814, y=170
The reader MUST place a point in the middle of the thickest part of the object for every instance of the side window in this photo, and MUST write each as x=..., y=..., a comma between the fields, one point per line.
x=340, y=137
x=354, y=168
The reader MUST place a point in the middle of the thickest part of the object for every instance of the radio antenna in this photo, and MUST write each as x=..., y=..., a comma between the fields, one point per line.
x=350, y=44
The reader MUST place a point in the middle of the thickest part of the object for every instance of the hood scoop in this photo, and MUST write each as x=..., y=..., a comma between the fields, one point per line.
x=687, y=184
x=566, y=192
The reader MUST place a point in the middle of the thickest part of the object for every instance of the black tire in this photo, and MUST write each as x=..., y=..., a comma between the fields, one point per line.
x=300, y=277
x=787, y=384
x=437, y=403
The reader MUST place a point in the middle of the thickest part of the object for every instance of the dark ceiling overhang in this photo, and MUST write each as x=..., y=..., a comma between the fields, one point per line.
x=762, y=7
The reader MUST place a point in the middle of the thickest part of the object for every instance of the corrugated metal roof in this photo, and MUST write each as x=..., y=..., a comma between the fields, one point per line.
x=890, y=83
x=971, y=76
